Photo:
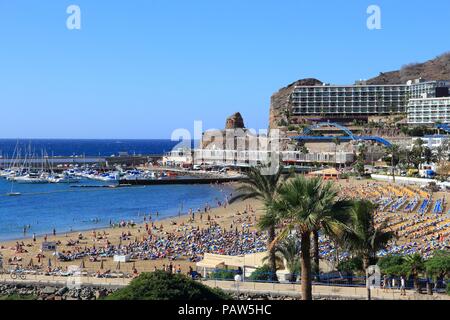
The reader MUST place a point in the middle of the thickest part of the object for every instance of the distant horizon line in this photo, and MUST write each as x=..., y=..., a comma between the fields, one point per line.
x=94, y=139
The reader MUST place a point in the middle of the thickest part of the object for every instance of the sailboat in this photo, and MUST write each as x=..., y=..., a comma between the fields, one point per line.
x=13, y=194
x=30, y=174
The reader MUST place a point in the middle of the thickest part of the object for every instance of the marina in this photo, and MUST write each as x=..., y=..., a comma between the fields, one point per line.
x=78, y=193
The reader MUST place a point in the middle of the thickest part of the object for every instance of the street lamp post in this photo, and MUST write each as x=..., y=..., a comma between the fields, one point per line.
x=237, y=280
x=373, y=279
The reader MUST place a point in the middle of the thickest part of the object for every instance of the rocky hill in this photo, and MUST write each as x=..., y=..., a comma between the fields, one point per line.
x=235, y=121
x=435, y=69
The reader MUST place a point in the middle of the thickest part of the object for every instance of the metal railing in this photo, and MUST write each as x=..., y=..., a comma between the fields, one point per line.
x=333, y=279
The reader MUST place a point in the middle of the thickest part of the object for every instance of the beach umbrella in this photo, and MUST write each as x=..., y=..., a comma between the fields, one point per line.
x=101, y=264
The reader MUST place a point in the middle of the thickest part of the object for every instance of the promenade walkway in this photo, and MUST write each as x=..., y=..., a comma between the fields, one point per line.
x=319, y=291
x=275, y=289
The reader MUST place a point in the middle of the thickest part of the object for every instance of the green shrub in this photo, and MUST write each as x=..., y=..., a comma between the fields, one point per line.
x=261, y=274
x=344, y=175
x=222, y=274
x=282, y=123
x=353, y=264
x=392, y=265
x=160, y=285
x=439, y=264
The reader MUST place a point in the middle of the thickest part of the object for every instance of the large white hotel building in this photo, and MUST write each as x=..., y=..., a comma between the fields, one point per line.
x=360, y=101
x=425, y=111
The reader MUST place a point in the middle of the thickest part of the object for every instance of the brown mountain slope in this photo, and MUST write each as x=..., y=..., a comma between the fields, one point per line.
x=435, y=69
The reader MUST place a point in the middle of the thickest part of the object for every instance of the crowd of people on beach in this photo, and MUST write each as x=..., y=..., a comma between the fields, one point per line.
x=187, y=243
x=150, y=241
x=417, y=229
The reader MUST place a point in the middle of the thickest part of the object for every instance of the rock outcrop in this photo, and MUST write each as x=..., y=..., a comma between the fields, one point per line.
x=216, y=139
x=235, y=121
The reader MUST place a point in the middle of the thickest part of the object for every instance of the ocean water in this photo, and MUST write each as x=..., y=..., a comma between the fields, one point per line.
x=65, y=208
x=95, y=147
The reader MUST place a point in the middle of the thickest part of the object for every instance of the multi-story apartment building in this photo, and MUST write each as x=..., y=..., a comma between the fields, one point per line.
x=359, y=101
x=348, y=101
x=428, y=89
x=432, y=141
x=295, y=157
x=425, y=111
x=247, y=158
x=231, y=157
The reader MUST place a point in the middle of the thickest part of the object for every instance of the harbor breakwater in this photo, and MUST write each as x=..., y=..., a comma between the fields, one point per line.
x=180, y=181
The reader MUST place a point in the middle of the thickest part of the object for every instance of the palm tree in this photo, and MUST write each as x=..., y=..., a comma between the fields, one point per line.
x=336, y=142
x=394, y=150
x=360, y=159
x=363, y=237
x=288, y=250
x=440, y=153
x=263, y=187
x=415, y=265
x=307, y=205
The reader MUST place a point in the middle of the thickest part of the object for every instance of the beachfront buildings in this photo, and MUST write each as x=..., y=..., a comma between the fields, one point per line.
x=329, y=158
x=425, y=111
x=246, y=158
x=233, y=147
x=343, y=103
x=179, y=157
x=428, y=89
x=357, y=101
x=230, y=157
x=433, y=141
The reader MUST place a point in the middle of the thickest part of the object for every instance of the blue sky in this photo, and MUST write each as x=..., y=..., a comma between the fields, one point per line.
x=142, y=68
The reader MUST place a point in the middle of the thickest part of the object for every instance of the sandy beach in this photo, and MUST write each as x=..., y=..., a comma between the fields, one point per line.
x=227, y=217
x=230, y=218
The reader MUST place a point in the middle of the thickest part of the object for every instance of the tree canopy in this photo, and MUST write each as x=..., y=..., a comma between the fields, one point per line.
x=160, y=285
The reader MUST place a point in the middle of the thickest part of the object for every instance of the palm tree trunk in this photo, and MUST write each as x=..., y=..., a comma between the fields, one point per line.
x=272, y=256
x=393, y=170
x=416, y=283
x=336, y=254
x=316, y=258
x=366, y=262
x=306, y=266
x=335, y=155
x=429, y=287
